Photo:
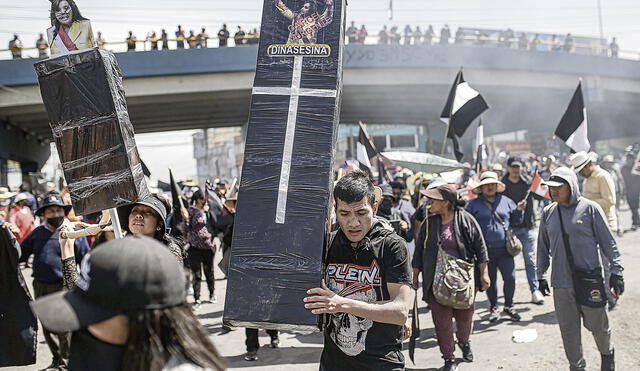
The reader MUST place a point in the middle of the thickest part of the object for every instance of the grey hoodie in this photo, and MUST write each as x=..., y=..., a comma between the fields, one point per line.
x=587, y=227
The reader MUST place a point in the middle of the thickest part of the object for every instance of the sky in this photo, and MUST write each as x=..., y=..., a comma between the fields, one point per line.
x=115, y=17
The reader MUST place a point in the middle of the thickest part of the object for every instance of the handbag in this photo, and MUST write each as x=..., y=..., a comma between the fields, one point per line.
x=453, y=282
x=588, y=285
x=514, y=245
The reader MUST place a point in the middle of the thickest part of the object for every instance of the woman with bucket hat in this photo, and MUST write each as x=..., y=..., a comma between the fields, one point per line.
x=495, y=213
x=146, y=217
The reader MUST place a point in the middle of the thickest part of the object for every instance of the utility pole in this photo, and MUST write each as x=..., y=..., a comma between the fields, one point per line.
x=603, y=50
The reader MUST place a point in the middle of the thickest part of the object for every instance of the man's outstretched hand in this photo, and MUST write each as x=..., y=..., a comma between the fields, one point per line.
x=324, y=300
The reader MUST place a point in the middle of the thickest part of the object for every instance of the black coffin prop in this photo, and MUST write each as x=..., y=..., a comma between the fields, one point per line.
x=85, y=102
x=285, y=191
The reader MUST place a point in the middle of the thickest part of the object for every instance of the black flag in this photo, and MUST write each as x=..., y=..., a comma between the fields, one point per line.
x=572, y=128
x=177, y=222
x=464, y=104
x=365, y=150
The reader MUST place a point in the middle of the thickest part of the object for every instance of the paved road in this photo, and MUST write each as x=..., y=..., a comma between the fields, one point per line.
x=492, y=343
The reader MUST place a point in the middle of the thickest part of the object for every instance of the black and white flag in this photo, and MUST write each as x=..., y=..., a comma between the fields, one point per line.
x=572, y=128
x=365, y=150
x=390, y=10
x=464, y=105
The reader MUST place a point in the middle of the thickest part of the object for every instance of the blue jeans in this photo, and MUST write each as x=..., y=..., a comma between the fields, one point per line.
x=529, y=245
x=499, y=259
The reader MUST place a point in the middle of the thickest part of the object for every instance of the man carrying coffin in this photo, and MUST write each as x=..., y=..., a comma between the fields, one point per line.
x=366, y=292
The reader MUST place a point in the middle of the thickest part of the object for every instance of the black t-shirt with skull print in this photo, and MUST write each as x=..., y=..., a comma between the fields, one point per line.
x=362, y=273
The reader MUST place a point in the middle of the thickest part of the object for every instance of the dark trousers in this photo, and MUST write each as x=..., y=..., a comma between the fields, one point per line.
x=58, y=342
x=252, y=338
x=499, y=259
x=443, y=317
x=201, y=259
x=633, y=198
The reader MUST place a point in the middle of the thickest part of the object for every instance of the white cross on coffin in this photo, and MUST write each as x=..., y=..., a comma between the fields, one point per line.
x=294, y=92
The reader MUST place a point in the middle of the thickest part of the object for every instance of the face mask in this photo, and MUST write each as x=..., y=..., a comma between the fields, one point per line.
x=90, y=353
x=55, y=222
x=385, y=206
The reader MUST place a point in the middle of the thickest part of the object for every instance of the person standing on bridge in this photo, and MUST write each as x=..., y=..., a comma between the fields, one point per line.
x=445, y=35
x=362, y=34
x=180, y=37
x=164, y=38
x=131, y=42
x=367, y=291
x=383, y=36
x=42, y=46
x=15, y=46
x=238, y=38
x=574, y=233
x=351, y=33
x=202, y=38
x=223, y=36
x=614, y=48
x=429, y=35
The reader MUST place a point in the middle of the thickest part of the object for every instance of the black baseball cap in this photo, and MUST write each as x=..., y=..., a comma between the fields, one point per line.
x=556, y=181
x=125, y=275
x=514, y=161
x=387, y=190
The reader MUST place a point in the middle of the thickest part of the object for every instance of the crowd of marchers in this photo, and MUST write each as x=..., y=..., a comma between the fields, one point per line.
x=424, y=232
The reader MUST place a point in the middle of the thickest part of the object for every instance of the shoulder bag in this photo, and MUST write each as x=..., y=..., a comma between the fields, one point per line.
x=514, y=245
x=453, y=283
x=587, y=284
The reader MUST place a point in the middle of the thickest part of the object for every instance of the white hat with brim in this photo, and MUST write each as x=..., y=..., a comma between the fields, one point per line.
x=489, y=177
x=20, y=197
x=580, y=159
x=5, y=193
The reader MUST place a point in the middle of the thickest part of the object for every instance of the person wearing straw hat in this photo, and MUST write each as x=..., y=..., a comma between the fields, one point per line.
x=484, y=208
x=454, y=231
x=44, y=244
x=597, y=186
x=5, y=200
x=146, y=217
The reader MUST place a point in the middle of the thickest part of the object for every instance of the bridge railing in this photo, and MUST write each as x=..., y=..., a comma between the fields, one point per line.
x=214, y=42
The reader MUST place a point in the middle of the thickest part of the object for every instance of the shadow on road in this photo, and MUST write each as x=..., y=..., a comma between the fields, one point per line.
x=271, y=357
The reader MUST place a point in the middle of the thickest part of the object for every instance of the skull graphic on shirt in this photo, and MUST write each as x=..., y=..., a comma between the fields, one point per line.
x=349, y=331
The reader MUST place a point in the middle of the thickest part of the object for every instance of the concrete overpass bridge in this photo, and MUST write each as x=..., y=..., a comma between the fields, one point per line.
x=383, y=84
